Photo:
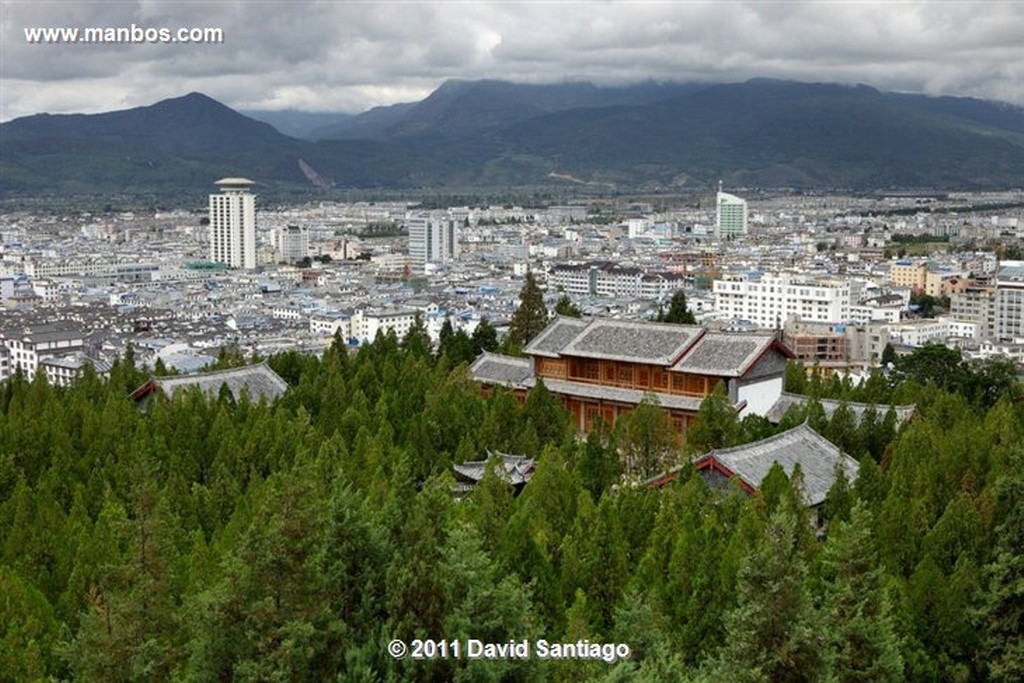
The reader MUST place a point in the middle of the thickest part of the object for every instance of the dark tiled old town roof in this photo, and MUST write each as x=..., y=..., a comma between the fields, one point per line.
x=815, y=454
x=655, y=343
x=493, y=368
x=258, y=380
x=555, y=337
x=788, y=400
x=724, y=355
x=515, y=469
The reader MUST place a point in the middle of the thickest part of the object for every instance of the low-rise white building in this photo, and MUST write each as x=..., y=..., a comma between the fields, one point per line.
x=368, y=322
x=63, y=371
x=610, y=280
x=768, y=300
x=28, y=347
x=292, y=242
x=329, y=324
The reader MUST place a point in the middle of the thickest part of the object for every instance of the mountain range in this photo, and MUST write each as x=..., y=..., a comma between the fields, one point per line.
x=651, y=136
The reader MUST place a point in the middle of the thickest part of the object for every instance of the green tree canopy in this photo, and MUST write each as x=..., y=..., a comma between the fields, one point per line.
x=565, y=306
x=678, y=311
x=531, y=316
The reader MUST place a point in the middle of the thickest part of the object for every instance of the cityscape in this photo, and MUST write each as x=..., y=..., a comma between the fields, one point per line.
x=594, y=342
x=837, y=278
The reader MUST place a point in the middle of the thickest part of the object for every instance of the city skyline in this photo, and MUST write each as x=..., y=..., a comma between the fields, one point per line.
x=333, y=57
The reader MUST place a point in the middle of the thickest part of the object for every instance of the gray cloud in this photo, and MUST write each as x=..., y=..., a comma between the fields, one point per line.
x=349, y=56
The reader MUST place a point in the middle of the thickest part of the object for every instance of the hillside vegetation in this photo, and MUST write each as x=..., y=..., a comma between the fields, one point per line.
x=218, y=539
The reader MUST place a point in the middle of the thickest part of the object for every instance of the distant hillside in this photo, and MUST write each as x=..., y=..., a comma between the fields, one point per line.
x=773, y=133
x=490, y=133
x=296, y=124
x=185, y=142
x=458, y=108
x=370, y=125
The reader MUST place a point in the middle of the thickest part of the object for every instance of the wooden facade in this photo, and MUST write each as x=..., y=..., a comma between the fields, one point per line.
x=626, y=375
x=586, y=413
x=603, y=368
x=641, y=377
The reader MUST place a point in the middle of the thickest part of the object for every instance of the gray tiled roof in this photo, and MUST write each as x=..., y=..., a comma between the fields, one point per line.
x=726, y=355
x=655, y=343
x=515, y=469
x=816, y=455
x=787, y=400
x=555, y=336
x=617, y=394
x=1011, y=272
x=258, y=380
x=493, y=368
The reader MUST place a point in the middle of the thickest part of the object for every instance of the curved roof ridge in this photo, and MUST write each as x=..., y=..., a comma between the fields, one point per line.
x=803, y=427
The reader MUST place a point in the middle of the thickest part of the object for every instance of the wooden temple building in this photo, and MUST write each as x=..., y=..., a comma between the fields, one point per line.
x=603, y=368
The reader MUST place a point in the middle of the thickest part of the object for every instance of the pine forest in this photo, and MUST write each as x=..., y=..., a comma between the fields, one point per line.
x=216, y=538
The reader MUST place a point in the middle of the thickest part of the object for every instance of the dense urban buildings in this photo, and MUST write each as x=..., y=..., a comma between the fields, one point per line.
x=823, y=274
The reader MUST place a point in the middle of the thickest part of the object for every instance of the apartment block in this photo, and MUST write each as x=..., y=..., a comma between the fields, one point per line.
x=910, y=274
x=1008, y=307
x=769, y=301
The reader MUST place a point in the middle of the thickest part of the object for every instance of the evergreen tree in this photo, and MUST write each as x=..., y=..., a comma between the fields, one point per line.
x=485, y=338
x=490, y=504
x=678, y=311
x=485, y=602
x=530, y=317
x=416, y=340
x=698, y=586
x=594, y=560
x=455, y=345
x=1001, y=617
x=839, y=500
x=861, y=640
x=444, y=337
x=28, y=630
x=771, y=632
x=549, y=418
x=599, y=465
x=796, y=378
x=646, y=439
x=565, y=306
x=716, y=425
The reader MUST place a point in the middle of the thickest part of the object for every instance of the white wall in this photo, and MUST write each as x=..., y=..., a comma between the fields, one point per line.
x=760, y=396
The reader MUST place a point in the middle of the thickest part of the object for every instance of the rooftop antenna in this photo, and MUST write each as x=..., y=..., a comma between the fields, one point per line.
x=719, y=185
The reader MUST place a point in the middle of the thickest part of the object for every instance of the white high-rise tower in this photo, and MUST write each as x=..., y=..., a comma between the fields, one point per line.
x=432, y=239
x=233, y=224
x=731, y=217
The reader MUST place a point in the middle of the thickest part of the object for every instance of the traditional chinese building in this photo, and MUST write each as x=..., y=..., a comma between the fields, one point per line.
x=514, y=469
x=817, y=457
x=257, y=381
x=603, y=368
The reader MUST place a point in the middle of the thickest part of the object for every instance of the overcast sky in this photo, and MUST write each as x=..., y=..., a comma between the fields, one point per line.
x=350, y=56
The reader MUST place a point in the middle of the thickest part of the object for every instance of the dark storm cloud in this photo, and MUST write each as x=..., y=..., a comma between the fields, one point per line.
x=345, y=56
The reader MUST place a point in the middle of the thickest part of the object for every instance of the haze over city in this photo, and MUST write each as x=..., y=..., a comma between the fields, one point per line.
x=349, y=57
